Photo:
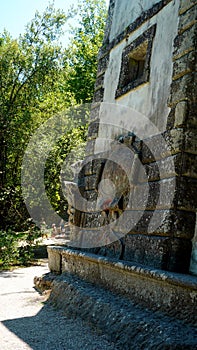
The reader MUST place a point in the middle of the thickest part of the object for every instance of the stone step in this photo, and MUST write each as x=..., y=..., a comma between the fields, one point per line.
x=172, y=293
x=127, y=324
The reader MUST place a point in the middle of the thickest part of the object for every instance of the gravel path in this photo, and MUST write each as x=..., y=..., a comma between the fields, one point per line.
x=27, y=323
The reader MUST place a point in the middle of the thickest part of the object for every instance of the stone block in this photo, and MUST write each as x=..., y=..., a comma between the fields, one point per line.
x=98, y=164
x=75, y=216
x=90, y=182
x=179, y=255
x=186, y=4
x=74, y=263
x=181, y=111
x=99, y=81
x=161, y=169
x=172, y=223
x=93, y=220
x=93, y=235
x=182, y=224
x=115, y=176
x=188, y=18
x=185, y=42
x=184, y=65
x=155, y=148
x=192, y=119
x=180, y=164
x=175, y=140
x=90, y=147
x=103, y=64
x=189, y=165
x=80, y=180
x=185, y=195
x=191, y=142
x=87, y=166
x=114, y=250
x=98, y=95
x=170, y=119
x=95, y=111
x=183, y=89
x=169, y=254
x=91, y=195
x=93, y=129
x=154, y=195
x=55, y=258
x=134, y=221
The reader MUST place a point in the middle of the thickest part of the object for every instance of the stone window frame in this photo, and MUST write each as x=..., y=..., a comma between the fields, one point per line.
x=123, y=85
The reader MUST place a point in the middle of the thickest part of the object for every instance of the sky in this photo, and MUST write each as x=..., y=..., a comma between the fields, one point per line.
x=15, y=14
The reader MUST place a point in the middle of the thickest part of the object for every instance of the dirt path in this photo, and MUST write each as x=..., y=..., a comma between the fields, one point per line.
x=28, y=323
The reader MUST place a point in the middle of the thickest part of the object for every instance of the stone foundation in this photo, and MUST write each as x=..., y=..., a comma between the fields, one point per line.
x=151, y=288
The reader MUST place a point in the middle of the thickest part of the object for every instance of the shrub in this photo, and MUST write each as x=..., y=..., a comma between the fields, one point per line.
x=9, y=252
x=16, y=248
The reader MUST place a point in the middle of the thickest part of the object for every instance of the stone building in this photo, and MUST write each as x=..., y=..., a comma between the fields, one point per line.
x=146, y=70
x=134, y=228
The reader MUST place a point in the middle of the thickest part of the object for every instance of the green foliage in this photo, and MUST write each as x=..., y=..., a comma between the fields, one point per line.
x=40, y=79
x=30, y=69
x=12, y=209
x=83, y=50
x=17, y=248
x=71, y=145
x=9, y=252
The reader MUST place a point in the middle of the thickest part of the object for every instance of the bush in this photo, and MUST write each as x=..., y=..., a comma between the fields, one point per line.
x=9, y=252
x=16, y=248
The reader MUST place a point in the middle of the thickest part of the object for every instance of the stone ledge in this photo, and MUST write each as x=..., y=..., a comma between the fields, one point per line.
x=187, y=281
x=152, y=288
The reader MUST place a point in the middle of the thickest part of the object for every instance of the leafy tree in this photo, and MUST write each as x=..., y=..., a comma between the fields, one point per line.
x=70, y=146
x=81, y=58
x=80, y=66
x=29, y=69
x=38, y=79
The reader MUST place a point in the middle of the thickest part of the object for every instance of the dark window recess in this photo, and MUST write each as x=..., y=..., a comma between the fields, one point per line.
x=136, y=62
x=135, y=69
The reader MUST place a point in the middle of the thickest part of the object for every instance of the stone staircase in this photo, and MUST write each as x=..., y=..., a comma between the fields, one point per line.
x=136, y=307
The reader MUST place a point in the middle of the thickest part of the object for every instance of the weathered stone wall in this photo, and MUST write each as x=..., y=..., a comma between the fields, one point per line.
x=168, y=100
x=183, y=102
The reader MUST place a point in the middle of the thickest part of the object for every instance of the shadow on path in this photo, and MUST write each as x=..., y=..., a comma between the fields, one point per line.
x=29, y=323
x=51, y=330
